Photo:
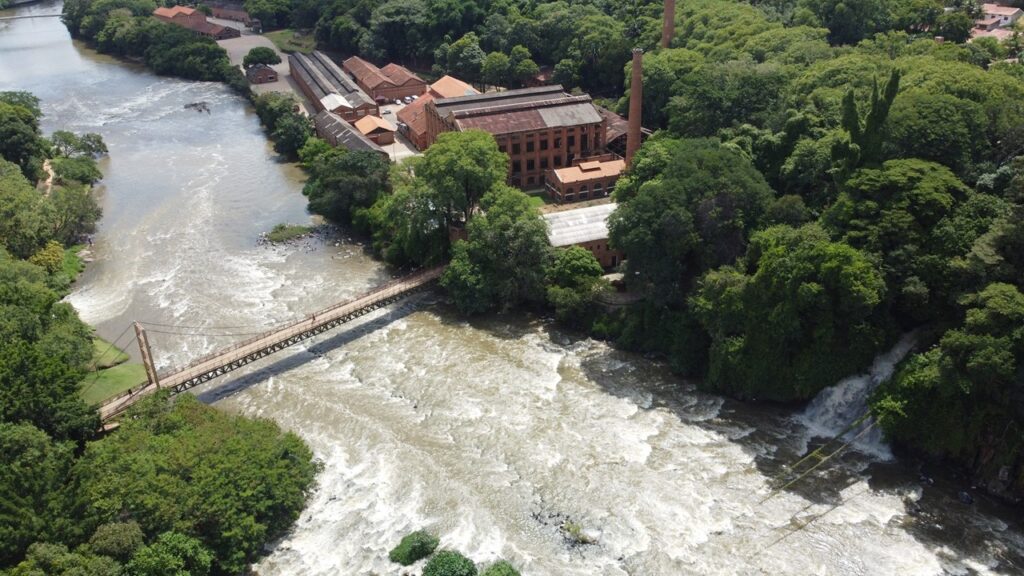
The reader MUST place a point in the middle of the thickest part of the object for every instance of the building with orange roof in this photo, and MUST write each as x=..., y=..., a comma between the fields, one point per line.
x=413, y=117
x=586, y=179
x=393, y=82
x=195, y=21
x=376, y=129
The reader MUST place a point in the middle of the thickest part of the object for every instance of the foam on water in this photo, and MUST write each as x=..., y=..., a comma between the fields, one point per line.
x=836, y=408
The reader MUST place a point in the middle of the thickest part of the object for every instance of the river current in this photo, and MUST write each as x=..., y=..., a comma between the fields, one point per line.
x=491, y=433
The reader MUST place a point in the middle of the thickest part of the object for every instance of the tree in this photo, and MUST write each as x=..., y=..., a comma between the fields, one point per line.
x=245, y=482
x=342, y=182
x=461, y=167
x=686, y=207
x=449, y=563
x=849, y=21
x=502, y=264
x=30, y=482
x=500, y=568
x=290, y=134
x=955, y=26
x=74, y=213
x=56, y=560
x=573, y=281
x=793, y=319
x=414, y=547
x=410, y=226
x=172, y=554
x=961, y=399
x=261, y=55
x=75, y=170
x=118, y=540
x=566, y=73
x=937, y=127
x=495, y=69
x=44, y=349
x=25, y=215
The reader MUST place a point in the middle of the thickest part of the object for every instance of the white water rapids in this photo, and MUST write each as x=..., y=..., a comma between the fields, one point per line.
x=491, y=433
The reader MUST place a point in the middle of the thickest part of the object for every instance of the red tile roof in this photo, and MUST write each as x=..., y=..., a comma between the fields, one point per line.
x=451, y=87
x=400, y=75
x=415, y=115
x=366, y=74
x=172, y=12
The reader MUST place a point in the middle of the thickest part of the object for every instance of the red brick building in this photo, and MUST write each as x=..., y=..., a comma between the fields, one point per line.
x=260, y=74
x=392, y=82
x=328, y=87
x=338, y=133
x=539, y=128
x=231, y=11
x=195, y=21
x=413, y=117
x=586, y=179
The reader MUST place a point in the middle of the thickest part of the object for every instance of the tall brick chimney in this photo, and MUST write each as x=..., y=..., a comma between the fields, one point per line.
x=668, y=29
x=636, y=98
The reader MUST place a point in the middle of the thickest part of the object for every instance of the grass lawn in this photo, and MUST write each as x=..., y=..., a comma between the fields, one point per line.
x=289, y=40
x=104, y=356
x=98, y=386
x=113, y=375
x=72, y=264
x=286, y=232
x=538, y=200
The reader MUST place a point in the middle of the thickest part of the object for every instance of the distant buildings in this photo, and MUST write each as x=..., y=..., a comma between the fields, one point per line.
x=195, y=21
x=539, y=128
x=413, y=118
x=330, y=88
x=587, y=228
x=998, y=21
x=337, y=132
x=260, y=74
x=393, y=82
x=235, y=12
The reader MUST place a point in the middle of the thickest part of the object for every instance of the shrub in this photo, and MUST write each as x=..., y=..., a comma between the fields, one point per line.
x=449, y=563
x=501, y=568
x=413, y=547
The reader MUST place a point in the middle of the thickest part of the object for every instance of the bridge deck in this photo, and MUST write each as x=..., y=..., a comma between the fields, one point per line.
x=224, y=361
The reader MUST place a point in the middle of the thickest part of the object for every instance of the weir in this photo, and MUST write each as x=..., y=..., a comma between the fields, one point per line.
x=230, y=359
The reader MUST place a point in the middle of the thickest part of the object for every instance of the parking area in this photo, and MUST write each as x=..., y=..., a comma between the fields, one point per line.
x=402, y=148
x=237, y=48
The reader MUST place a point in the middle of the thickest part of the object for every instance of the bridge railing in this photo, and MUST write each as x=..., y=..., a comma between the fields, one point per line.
x=415, y=279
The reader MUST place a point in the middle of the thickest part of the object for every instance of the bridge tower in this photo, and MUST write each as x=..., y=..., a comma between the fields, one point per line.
x=147, y=355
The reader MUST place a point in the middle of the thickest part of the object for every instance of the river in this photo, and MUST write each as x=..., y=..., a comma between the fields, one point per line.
x=492, y=432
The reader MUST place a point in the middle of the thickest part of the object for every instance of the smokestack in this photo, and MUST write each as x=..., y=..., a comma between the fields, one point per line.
x=636, y=98
x=668, y=29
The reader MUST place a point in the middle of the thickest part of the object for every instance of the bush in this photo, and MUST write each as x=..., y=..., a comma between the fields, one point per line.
x=413, y=547
x=449, y=563
x=501, y=568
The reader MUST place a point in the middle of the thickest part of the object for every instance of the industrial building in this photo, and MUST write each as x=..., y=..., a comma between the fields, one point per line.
x=392, y=82
x=376, y=129
x=413, y=118
x=329, y=88
x=195, y=21
x=337, y=132
x=539, y=128
x=261, y=74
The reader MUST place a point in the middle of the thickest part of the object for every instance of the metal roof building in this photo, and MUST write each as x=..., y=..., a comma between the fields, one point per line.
x=328, y=87
x=338, y=132
x=579, y=225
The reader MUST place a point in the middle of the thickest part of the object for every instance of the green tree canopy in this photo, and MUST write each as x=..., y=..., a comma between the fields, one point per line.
x=794, y=318
x=261, y=55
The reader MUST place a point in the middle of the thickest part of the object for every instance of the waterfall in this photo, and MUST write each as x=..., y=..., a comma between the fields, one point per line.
x=836, y=407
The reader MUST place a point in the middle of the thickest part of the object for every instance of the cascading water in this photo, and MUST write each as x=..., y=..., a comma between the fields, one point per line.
x=834, y=409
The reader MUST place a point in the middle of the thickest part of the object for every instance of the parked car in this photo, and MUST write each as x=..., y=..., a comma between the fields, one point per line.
x=398, y=102
x=408, y=100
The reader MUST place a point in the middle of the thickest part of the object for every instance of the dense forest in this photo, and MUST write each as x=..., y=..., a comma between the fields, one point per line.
x=180, y=488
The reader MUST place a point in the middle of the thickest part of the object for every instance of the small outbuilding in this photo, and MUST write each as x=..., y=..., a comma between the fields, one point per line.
x=377, y=129
x=586, y=179
x=261, y=74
